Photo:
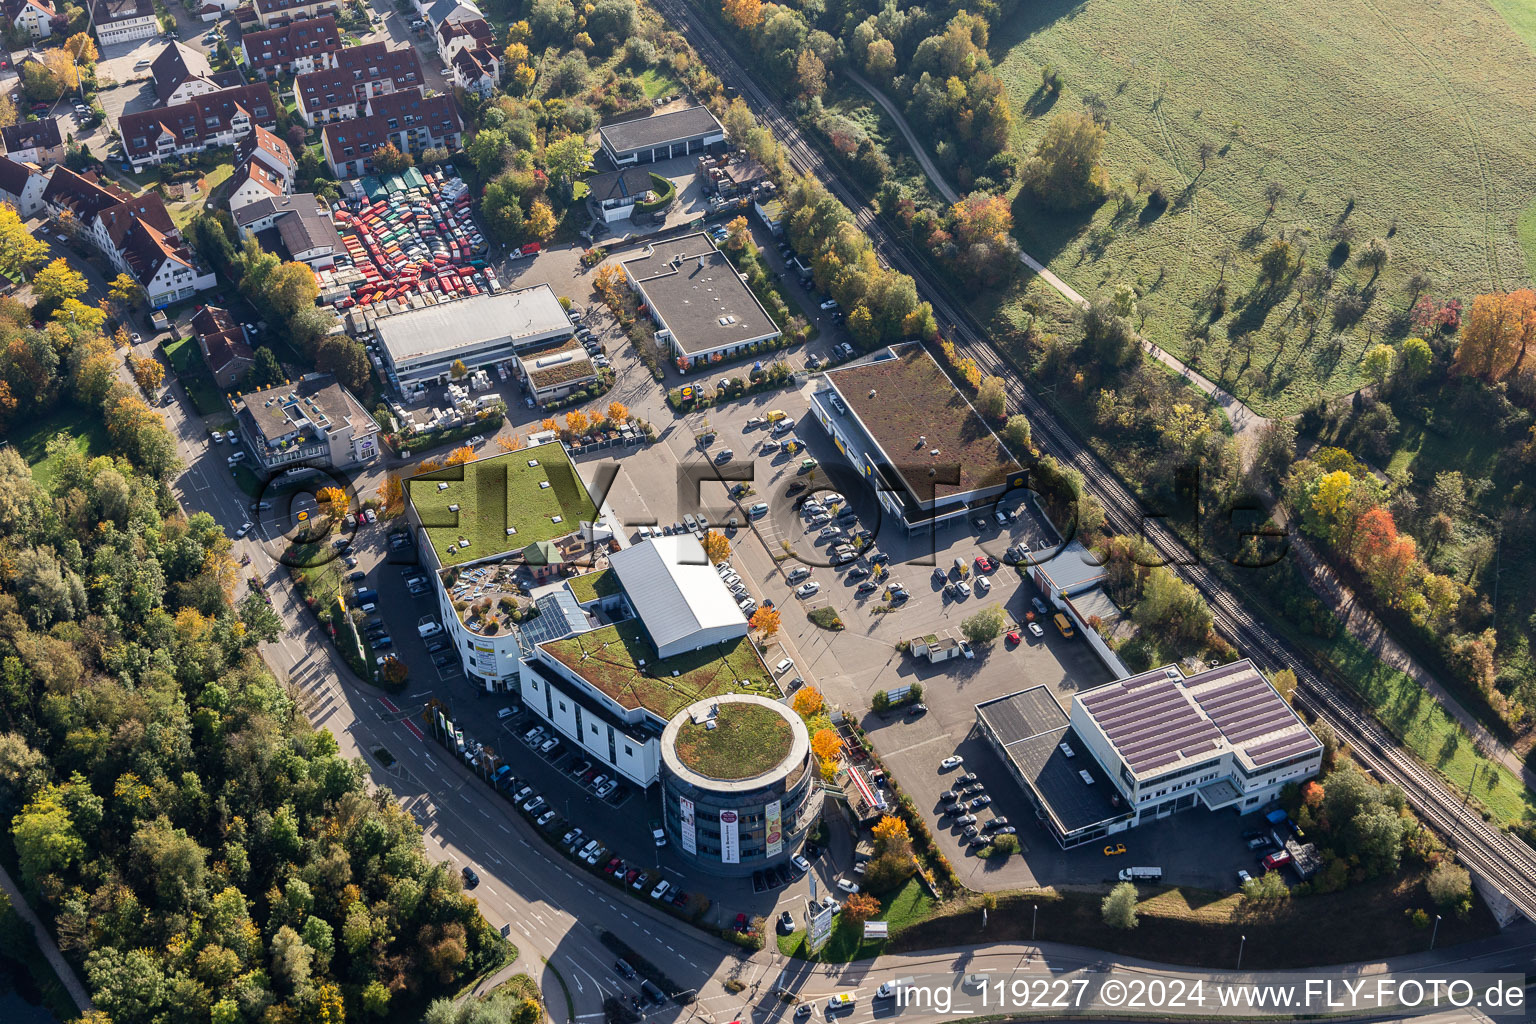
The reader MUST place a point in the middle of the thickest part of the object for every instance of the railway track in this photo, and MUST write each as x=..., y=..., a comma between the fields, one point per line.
x=1499, y=858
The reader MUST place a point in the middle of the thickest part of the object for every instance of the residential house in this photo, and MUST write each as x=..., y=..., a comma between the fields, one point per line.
x=22, y=186
x=34, y=142
x=443, y=12
x=409, y=120
x=615, y=193
x=36, y=18
x=477, y=70
x=205, y=122
x=123, y=21
x=222, y=341
x=134, y=233
x=180, y=73
x=298, y=48
x=453, y=36
x=264, y=168
x=341, y=92
x=271, y=13
x=298, y=225
x=313, y=421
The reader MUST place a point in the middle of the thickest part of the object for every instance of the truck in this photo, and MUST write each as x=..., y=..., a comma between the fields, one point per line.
x=1141, y=874
x=427, y=629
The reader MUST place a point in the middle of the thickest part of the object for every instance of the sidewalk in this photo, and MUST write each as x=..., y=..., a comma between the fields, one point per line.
x=45, y=942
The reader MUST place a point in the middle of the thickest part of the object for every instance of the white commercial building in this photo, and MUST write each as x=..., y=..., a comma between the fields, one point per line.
x=678, y=594
x=420, y=346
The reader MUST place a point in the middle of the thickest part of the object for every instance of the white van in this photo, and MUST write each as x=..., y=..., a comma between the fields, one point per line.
x=427, y=629
x=1141, y=874
x=890, y=988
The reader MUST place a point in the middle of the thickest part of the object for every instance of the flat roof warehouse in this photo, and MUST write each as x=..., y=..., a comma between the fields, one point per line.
x=691, y=286
x=478, y=330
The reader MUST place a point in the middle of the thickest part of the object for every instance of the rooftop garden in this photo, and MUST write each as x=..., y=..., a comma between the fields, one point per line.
x=590, y=586
x=747, y=740
x=610, y=659
x=525, y=492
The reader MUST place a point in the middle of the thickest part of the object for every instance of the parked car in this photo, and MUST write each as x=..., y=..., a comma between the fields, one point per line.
x=807, y=589
x=470, y=878
x=953, y=761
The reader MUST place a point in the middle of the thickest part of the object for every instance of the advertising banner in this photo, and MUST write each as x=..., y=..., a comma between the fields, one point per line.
x=730, y=838
x=774, y=828
x=690, y=837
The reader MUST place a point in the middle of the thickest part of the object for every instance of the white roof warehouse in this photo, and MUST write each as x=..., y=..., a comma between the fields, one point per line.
x=422, y=344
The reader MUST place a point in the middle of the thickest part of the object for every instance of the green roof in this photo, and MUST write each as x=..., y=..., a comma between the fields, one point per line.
x=747, y=740
x=497, y=493
x=613, y=666
x=590, y=586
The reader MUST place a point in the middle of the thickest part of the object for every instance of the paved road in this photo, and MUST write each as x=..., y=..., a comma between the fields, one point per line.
x=61, y=966
x=1245, y=422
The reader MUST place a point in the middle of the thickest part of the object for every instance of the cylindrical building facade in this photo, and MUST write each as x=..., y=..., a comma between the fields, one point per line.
x=738, y=783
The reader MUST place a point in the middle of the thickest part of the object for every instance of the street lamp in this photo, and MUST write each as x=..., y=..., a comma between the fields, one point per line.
x=1434, y=932
x=1034, y=918
x=1242, y=941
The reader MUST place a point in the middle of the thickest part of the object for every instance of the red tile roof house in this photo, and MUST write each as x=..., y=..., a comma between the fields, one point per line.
x=205, y=122
x=476, y=70
x=34, y=142
x=135, y=234
x=272, y=13
x=264, y=168
x=222, y=341
x=298, y=48
x=453, y=36
x=411, y=121
x=361, y=73
x=34, y=17
x=181, y=73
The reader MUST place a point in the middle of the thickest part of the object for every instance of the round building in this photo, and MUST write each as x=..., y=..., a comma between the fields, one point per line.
x=737, y=783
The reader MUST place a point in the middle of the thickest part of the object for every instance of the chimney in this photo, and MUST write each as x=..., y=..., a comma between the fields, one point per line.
x=701, y=262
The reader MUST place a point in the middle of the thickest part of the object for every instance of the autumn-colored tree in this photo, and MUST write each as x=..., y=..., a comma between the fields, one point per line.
x=148, y=373
x=576, y=421
x=717, y=547
x=609, y=282
x=123, y=293
x=392, y=494
x=1498, y=335
x=509, y=442
x=549, y=423
x=82, y=48
x=861, y=906
x=395, y=671
x=827, y=770
x=747, y=14
x=618, y=412
x=458, y=371
x=20, y=251
x=766, y=621
x=826, y=744
x=59, y=281
x=807, y=701
x=62, y=67
x=333, y=501
x=427, y=466
x=519, y=32
x=982, y=217
x=516, y=53
x=460, y=455
x=891, y=828
x=810, y=74
x=389, y=159
x=523, y=77
x=8, y=113
x=541, y=221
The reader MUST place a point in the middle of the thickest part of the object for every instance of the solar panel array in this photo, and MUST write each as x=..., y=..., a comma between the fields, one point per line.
x=1159, y=717
x=1246, y=708
x=1151, y=721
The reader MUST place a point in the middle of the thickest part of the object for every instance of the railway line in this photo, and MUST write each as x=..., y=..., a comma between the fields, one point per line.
x=1501, y=859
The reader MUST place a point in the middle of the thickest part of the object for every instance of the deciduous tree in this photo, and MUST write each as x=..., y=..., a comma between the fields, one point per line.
x=717, y=546
x=984, y=626
x=459, y=456
x=148, y=373
x=807, y=702
x=618, y=412
x=1497, y=335
x=1065, y=170
x=1119, y=907
x=576, y=421
x=826, y=744
x=745, y=14
x=1017, y=433
x=766, y=621
x=860, y=907
x=20, y=251
x=59, y=281
x=991, y=399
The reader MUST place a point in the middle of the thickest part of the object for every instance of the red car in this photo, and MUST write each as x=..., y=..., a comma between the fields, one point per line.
x=613, y=866
x=741, y=922
x=984, y=564
x=631, y=875
x=1013, y=636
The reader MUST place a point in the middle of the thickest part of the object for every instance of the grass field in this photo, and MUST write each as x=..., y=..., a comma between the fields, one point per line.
x=658, y=83
x=902, y=909
x=1410, y=122
x=89, y=433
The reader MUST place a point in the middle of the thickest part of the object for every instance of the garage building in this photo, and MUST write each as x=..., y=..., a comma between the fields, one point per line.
x=661, y=136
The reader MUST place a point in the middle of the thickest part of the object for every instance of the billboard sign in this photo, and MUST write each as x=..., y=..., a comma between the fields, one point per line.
x=690, y=837
x=774, y=828
x=730, y=837
x=818, y=927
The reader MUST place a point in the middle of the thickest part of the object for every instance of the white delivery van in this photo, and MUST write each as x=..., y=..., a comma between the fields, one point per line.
x=427, y=629
x=1141, y=874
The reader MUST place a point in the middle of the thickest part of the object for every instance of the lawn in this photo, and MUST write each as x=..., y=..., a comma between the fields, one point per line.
x=590, y=586
x=90, y=437
x=486, y=498
x=744, y=740
x=1374, y=117
x=183, y=213
x=658, y=83
x=1364, y=922
x=609, y=658
x=902, y=909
